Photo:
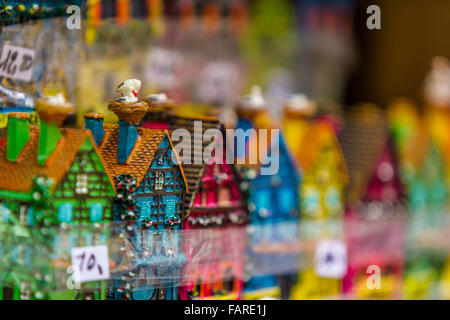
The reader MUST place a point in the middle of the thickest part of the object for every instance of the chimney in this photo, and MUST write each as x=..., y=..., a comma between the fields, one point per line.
x=18, y=134
x=160, y=109
x=94, y=122
x=130, y=115
x=251, y=105
x=298, y=106
x=52, y=112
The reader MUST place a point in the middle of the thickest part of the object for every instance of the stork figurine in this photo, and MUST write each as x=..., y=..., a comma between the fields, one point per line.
x=254, y=100
x=129, y=90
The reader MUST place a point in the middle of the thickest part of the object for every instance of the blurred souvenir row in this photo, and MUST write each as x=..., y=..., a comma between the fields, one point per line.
x=196, y=190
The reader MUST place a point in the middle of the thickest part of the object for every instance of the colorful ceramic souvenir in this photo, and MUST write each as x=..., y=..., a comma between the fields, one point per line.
x=273, y=196
x=159, y=189
x=51, y=177
x=374, y=200
x=213, y=201
x=324, y=178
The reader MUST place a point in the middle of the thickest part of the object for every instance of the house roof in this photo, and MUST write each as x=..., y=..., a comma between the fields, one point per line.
x=194, y=172
x=141, y=156
x=416, y=149
x=258, y=120
x=317, y=135
x=363, y=136
x=17, y=176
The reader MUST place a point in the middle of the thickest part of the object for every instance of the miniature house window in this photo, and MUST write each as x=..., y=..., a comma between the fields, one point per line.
x=332, y=199
x=82, y=183
x=8, y=293
x=161, y=158
x=224, y=196
x=25, y=291
x=385, y=171
x=287, y=200
x=96, y=212
x=263, y=203
x=159, y=180
x=311, y=200
x=4, y=213
x=228, y=281
x=170, y=208
x=23, y=215
x=65, y=213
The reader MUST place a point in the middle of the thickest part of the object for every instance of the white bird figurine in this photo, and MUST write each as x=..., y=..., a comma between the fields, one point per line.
x=56, y=99
x=437, y=83
x=300, y=102
x=129, y=90
x=255, y=100
x=157, y=97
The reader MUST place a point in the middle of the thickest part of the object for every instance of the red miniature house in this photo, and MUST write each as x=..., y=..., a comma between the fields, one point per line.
x=374, y=200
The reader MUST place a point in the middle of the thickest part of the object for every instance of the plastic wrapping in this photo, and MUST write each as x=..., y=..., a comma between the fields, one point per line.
x=181, y=256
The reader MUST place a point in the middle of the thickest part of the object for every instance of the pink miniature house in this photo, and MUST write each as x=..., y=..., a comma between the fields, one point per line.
x=220, y=207
x=375, y=235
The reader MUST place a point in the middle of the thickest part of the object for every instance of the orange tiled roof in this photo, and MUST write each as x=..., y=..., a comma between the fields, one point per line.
x=141, y=156
x=363, y=137
x=17, y=176
x=316, y=135
x=194, y=172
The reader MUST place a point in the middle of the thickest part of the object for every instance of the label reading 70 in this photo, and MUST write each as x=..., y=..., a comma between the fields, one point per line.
x=90, y=263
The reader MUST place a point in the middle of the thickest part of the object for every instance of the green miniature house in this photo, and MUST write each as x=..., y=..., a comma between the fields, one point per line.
x=49, y=178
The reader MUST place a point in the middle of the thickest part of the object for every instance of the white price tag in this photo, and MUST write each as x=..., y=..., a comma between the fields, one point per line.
x=330, y=259
x=16, y=62
x=90, y=263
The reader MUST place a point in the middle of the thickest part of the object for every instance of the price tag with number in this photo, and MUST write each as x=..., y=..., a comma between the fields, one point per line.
x=90, y=263
x=16, y=62
x=330, y=259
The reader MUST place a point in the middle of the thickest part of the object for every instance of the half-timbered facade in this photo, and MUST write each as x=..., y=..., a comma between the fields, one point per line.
x=422, y=171
x=64, y=184
x=374, y=198
x=213, y=200
x=272, y=199
x=221, y=206
x=324, y=177
x=146, y=155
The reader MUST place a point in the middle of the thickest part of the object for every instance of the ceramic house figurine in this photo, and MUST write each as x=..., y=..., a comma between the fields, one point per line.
x=51, y=176
x=324, y=177
x=374, y=199
x=141, y=160
x=437, y=114
x=437, y=108
x=219, y=205
x=161, y=116
x=315, y=146
x=213, y=200
x=273, y=199
x=297, y=114
x=422, y=167
x=324, y=173
x=423, y=173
